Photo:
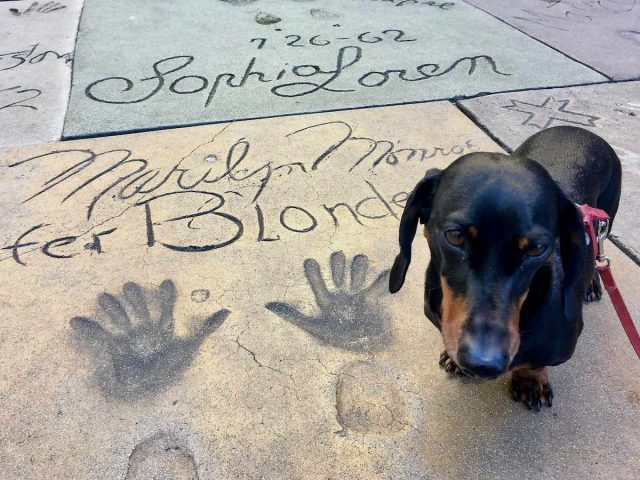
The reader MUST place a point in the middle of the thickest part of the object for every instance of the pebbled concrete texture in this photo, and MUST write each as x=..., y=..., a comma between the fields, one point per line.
x=266, y=58
x=603, y=34
x=610, y=110
x=130, y=348
x=36, y=52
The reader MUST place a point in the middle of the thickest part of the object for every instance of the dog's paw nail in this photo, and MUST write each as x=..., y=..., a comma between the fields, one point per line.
x=529, y=402
x=443, y=358
x=515, y=392
x=538, y=405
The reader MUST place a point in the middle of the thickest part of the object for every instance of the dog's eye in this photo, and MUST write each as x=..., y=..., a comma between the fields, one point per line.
x=536, y=250
x=455, y=238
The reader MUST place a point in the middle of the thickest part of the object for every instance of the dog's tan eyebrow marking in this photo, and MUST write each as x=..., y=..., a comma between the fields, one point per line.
x=523, y=243
x=473, y=232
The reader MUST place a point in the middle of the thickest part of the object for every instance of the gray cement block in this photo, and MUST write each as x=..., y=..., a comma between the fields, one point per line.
x=611, y=111
x=36, y=51
x=222, y=363
x=137, y=67
x=603, y=34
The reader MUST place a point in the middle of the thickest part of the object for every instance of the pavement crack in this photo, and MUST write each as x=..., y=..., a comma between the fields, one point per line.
x=326, y=369
x=262, y=365
x=401, y=422
x=203, y=144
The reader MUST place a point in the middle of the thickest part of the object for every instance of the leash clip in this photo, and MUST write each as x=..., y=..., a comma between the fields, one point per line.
x=596, y=227
x=601, y=235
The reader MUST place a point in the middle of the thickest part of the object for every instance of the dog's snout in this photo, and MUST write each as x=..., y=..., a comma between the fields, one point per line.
x=479, y=359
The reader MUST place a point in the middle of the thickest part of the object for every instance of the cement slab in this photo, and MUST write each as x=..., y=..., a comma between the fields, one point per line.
x=132, y=348
x=603, y=34
x=36, y=52
x=266, y=58
x=609, y=110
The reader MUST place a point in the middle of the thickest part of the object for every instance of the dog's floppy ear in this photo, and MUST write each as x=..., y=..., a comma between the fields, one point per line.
x=572, y=252
x=418, y=207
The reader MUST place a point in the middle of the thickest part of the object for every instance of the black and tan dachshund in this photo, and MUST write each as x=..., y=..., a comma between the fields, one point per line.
x=509, y=264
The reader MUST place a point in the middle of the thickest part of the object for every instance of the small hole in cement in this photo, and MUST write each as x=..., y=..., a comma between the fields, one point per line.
x=211, y=158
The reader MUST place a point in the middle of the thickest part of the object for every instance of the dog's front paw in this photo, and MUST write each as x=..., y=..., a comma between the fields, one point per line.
x=531, y=386
x=594, y=290
x=448, y=364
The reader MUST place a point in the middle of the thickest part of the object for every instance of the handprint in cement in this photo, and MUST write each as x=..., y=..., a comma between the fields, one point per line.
x=351, y=316
x=132, y=339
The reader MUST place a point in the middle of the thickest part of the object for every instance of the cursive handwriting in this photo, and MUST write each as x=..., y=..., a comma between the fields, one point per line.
x=24, y=94
x=402, y=3
x=126, y=176
x=11, y=60
x=559, y=14
x=316, y=78
x=213, y=196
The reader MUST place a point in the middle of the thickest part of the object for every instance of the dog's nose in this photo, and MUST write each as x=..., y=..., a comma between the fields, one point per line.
x=482, y=361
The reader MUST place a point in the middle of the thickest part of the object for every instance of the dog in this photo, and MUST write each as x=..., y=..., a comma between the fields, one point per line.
x=509, y=265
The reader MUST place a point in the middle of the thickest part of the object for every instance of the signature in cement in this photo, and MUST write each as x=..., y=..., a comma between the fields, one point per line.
x=212, y=196
x=396, y=3
x=316, y=78
x=11, y=60
x=18, y=97
x=558, y=14
x=430, y=3
x=351, y=316
x=132, y=338
x=238, y=165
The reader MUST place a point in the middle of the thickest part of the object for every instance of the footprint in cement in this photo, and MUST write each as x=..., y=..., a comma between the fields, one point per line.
x=264, y=18
x=369, y=401
x=161, y=457
x=133, y=342
x=351, y=316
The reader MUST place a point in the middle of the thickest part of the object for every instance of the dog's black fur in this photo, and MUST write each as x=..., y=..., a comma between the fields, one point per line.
x=509, y=262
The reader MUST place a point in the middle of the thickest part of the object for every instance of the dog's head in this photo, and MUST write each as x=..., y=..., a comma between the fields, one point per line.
x=492, y=221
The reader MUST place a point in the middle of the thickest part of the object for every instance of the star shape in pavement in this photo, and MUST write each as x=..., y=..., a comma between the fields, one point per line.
x=543, y=115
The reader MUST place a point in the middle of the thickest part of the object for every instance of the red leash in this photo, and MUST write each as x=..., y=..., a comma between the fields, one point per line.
x=596, y=224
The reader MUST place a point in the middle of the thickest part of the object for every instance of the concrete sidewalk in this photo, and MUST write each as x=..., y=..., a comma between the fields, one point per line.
x=161, y=314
